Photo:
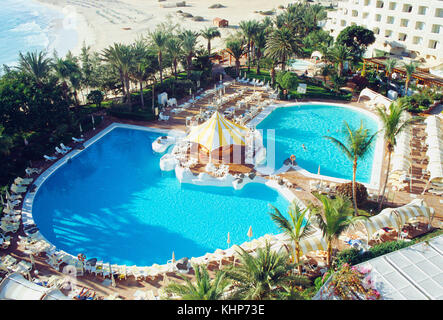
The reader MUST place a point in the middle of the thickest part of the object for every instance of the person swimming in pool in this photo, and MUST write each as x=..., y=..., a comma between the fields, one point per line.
x=304, y=147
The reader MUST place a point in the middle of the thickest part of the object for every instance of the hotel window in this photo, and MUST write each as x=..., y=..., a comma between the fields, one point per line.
x=354, y=13
x=379, y=4
x=390, y=20
x=401, y=36
x=417, y=40
x=422, y=10
x=435, y=28
x=388, y=33
x=433, y=44
x=367, y=2
x=439, y=13
x=353, y=24
x=365, y=15
x=378, y=17
x=419, y=25
x=376, y=30
x=343, y=23
x=392, y=5
x=407, y=8
x=404, y=22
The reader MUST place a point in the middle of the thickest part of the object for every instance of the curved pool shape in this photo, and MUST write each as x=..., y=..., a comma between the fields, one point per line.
x=112, y=202
x=308, y=124
x=299, y=64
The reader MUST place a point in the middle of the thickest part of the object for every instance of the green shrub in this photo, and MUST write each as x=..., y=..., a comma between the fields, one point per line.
x=96, y=97
x=353, y=256
x=198, y=18
x=136, y=115
x=187, y=15
x=345, y=189
x=181, y=4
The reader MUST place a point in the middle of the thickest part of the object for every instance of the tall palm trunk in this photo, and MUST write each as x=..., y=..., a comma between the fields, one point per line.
x=209, y=46
x=297, y=258
x=329, y=253
x=141, y=94
x=258, y=60
x=237, y=66
x=354, y=191
x=249, y=55
x=273, y=74
x=160, y=60
x=386, y=180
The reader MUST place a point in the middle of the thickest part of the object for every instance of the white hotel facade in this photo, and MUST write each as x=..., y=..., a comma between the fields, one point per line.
x=411, y=28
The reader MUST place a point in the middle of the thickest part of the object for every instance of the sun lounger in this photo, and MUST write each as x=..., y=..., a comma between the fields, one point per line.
x=65, y=147
x=78, y=140
x=48, y=158
x=60, y=151
x=17, y=189
x=30, y=171
x=23, y=181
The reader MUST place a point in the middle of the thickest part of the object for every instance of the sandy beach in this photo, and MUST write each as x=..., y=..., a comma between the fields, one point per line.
x=102, y=22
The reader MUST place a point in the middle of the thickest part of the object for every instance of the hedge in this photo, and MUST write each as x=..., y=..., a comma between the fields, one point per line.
x=144, y=116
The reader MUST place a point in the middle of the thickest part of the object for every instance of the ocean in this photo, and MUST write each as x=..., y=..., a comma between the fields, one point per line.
x=27, y=25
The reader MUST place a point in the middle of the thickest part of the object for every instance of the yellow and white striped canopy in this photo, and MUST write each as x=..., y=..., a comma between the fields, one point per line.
x=218, y=132
x=408, y=212
x=386, y=218
x=313, y=244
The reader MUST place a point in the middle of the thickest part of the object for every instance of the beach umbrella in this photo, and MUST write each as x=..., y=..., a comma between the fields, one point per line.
x=112, y=276
x=26, y=141
x=250, y=232
x=190, y=91
x=1, y=198
x=173, y=257
x=81, y=129
x=93, y=122
x=318, y=172
x=221, y=77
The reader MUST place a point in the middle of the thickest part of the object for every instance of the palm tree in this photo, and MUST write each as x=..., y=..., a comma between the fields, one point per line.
x=280, y=46
x=296, y=227
x=357, y=144
x=159, y=39
x=393, y=123
x=339, y=55
x=409, y=69
x=188, y=42
x=260, y=43
x=143, y=66
x=249, y=29
x=119, y=56
x=333, y=219
x=325, y=71
x=35, y=64
x=263, y=275
x=210, y=33
x=203, y=289
x=236, y=49
x=173, y=49
x=65, y=71
x=391, y=63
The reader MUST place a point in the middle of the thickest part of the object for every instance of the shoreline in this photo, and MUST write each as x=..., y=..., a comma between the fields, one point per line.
x=99, y=25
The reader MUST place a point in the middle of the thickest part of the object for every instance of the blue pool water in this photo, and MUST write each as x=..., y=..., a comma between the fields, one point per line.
x=299, y=64
x=307, y=124
x=113, y=202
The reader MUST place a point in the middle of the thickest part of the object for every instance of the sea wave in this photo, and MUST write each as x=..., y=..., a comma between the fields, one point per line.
x=31, y=26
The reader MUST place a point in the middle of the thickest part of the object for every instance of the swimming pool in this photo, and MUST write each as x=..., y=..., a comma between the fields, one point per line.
x=112, y=202
x=299, y=64
x=307, y=124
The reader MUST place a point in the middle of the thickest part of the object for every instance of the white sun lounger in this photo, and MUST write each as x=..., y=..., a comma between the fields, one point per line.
x=17, y=189
x=65, y=147
x=48, y=158
x=24, y=181
x=58, y=150
x=78, y=140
